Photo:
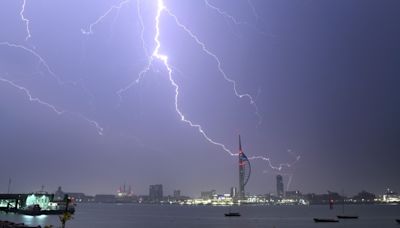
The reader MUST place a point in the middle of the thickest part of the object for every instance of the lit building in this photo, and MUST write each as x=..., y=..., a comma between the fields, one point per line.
x=279, y=186
x=208, y=194
x=293, y=195
x=123, y=192
x=244, y=171
x=156, y=193
x=233, y=192
x=391, y=197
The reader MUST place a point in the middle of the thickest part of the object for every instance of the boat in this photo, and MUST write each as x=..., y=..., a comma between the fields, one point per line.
x=325, y=220
x=232, y=214
x=347, y=217
x=343, y=215
x=35, y=210
x=398, y=221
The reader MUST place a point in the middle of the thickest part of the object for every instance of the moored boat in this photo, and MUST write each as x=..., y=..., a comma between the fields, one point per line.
x=232, y=214
x=35, y=210
x=347, y=217
x=325, y=220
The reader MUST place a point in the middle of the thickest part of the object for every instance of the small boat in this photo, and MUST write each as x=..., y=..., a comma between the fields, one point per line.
x=32, y=210
x=398, y=221
x=343, y=215
x=325, y=220
x=232, y=214
x=347, y=217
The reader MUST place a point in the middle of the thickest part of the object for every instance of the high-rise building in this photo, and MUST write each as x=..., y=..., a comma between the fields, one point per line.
x=244, y=171
x=156, y=193
x=233, y=192
x=279, y=186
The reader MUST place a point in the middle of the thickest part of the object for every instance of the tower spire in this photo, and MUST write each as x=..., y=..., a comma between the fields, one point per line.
x=240, y=145
x=244, y=170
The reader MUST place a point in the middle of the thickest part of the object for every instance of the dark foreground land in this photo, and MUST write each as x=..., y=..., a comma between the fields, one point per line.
x=7, y=224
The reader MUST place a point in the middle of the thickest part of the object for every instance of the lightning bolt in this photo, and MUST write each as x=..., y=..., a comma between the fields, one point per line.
x=235, y=21
x=53, y=108
x=253, y=8
x=289, y=175
x=25, y=20
x=44, y=63
x=39, y=57
x=224, y=13
x=89, y=30
x=218, y=62
x=278, y=167
x=164, y=59
x=156, y=55
x=32, y=98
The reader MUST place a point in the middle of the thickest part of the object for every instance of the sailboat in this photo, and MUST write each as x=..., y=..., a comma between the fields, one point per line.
x=325, y=220
x=330, y=201
x=343, y=215
x=232, y=214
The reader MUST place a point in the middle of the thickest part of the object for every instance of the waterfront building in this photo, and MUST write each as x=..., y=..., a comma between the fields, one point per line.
x=293, y=195
x=391, y=197
x=364, y=197
x=208, y=194
x=233, y=192
x=177, y=194
x=156, y=193
x=279, y=186
x=59, y=194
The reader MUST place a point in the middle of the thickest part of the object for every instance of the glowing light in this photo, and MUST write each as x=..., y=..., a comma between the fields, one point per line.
x=43, y=201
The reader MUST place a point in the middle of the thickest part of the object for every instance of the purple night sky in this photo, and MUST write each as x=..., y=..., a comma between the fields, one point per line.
x=324, y=76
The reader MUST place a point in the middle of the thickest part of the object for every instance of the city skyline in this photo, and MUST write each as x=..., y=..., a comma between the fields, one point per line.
x=147, y=92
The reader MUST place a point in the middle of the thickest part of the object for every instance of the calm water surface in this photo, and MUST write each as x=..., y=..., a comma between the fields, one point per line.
x=174, y=216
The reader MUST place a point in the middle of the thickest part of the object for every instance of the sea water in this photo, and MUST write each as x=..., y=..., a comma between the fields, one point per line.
x=177, y=216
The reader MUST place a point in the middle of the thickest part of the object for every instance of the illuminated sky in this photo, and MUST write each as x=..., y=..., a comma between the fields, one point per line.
x=323, y=75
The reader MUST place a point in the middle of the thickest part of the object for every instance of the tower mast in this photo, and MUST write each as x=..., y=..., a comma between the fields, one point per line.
x=241, y=171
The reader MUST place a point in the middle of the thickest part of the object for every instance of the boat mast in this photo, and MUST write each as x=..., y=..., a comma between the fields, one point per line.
x=343, y=202
x=9, y=185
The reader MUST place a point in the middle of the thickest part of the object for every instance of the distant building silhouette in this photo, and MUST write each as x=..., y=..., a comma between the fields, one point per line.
x=279, y=186
x=177, y=194
x=295, y=195
x=208, y=194
x=364, y=197
x=156, y=193
x=59, y=194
